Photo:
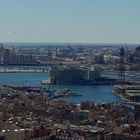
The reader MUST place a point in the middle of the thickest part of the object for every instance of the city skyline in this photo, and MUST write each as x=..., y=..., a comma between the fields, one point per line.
x=71, y=21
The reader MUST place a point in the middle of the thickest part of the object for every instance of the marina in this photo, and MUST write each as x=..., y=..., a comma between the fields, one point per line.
x=45, y=93
x=98, y=94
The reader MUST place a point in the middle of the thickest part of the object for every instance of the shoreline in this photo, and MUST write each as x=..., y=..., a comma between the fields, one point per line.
x=126, y=101
x=23, y=71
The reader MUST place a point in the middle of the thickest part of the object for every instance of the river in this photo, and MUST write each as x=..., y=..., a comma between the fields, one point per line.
x=100, y=94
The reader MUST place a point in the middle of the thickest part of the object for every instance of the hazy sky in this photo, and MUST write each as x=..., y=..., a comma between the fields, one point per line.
x=93, y=21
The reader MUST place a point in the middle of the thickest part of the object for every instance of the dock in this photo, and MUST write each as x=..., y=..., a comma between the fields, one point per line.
x=23, y=70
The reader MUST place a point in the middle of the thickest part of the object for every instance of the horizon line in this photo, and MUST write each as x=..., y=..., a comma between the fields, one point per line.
x=92, y=43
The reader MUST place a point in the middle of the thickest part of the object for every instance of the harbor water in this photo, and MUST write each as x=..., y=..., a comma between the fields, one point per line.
x=100, y=94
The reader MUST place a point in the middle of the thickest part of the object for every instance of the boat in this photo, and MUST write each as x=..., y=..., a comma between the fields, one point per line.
x=45, y=82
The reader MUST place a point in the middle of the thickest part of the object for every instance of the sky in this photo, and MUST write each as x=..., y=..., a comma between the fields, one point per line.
x=70, y=21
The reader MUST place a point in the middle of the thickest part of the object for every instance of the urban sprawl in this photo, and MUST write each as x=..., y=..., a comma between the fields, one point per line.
x=37, y=113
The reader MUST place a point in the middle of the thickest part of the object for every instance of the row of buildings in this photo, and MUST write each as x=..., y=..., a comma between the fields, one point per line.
x=30, y=115
x=9, y=56
x=66, y=55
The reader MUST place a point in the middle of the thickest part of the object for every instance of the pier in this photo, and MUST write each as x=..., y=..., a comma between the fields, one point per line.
x=23, y=70
x=51, y=94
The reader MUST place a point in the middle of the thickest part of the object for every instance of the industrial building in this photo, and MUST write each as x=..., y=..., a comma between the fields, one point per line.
x=77, y=75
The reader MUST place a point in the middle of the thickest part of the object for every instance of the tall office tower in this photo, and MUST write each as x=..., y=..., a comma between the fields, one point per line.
x=1, y=53
x=121, y=66
x=6, y=56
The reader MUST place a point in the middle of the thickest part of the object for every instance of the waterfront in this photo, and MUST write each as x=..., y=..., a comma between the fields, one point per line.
x=92, y=93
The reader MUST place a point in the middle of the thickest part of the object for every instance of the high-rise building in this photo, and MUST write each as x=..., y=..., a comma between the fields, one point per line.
x=6, y=56
x=1, y=54
x=137, y=111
